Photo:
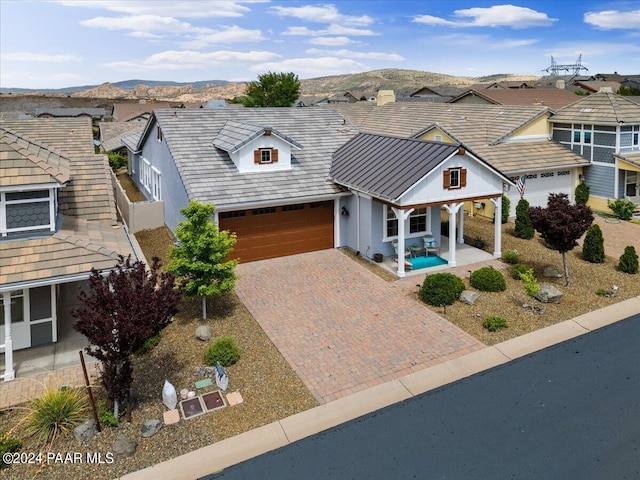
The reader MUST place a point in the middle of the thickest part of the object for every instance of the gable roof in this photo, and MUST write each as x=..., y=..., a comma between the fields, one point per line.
x=24, y=162
x=602, y=108
x=210, y=175
x=112, y=133
x=234, y=135
x=553, y=98
x=385, y=166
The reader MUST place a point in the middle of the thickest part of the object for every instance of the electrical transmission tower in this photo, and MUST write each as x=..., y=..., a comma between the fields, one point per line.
x=573, y=68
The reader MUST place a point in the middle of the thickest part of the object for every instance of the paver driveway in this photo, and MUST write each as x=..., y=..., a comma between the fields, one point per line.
x=342, y=328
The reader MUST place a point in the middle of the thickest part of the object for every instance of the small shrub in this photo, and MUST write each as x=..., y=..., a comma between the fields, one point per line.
x=593, y=246
x=8, y=444
x=506, y=208
x=518, y=269
x=56, y=412
x=150, y=344
x=582, y=194
x=480, y=243
x=487, y=279
x=622, y=208
x=511, y=256
x=602, y=292
x=116, y=161
x=106, y=416
x=629, y=260
x=523, y=227
x=223, y=350
x=494, y=323
x=531, y=285
x=441, y=289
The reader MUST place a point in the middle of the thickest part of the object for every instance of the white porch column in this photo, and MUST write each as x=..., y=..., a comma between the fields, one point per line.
x=9, y=372
x=452, y=209
x=429, y=232
x=461, y=226
x=402, y=216
x=497, y=225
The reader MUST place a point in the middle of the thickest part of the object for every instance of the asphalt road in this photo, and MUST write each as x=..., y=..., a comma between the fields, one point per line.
x=571, y=411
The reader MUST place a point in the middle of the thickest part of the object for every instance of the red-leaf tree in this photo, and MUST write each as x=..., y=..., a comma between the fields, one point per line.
x=121, y=311
x=561, y=224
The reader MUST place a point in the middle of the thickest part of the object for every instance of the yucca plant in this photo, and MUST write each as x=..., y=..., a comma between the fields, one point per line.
x=56, y=412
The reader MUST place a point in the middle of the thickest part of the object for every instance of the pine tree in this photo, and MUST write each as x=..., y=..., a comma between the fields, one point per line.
x=593, y=246
x=629, y=260
x=524, y=228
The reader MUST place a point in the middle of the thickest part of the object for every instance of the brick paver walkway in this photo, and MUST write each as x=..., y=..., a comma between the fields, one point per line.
x=617, y=235
x=342, y=328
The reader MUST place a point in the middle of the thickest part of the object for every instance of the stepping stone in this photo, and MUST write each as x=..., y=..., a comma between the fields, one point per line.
x=171, y=417
x=204, y=383
x=234, y=398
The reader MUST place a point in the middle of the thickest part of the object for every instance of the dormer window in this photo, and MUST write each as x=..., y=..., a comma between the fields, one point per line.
x=455, y=178
x=265, y=155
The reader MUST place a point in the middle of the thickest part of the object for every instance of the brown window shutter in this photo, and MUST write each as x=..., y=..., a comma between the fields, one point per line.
x=447, y=179
x=256, y=156
x=274, y=155
x=463, y=177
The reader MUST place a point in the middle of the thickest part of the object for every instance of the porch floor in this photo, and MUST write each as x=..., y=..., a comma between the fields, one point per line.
x=465, y=255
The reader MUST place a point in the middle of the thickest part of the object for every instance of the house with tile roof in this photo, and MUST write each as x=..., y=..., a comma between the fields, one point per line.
x=514, y=140
x=604, y=129
x=554, y=98
x=57, y=222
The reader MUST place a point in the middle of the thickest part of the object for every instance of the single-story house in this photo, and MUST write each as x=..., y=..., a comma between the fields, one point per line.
x=57, y=222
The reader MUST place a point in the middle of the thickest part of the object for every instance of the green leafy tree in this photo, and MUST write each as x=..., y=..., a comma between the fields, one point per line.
x=561, y=224
x=524, y=228
x=593, y=246
x=199, y=259
x=272, y=90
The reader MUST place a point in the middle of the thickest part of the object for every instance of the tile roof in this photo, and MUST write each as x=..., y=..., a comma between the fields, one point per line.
x=75, y=248
x=384, y=166
x=88, y=193
x=112, y=133
x=234, y=135
x=602, y=108
x=209, y=174
x=24, y=162
x=630, y=157
x=553, y=98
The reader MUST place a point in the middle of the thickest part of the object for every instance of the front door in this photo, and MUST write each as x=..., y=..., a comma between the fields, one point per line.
x=20, y=328
x=632, y=187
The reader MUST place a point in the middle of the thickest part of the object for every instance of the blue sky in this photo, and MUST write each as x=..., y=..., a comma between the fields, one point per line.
x=54, y=44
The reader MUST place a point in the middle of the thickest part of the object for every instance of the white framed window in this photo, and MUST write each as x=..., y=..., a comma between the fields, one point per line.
x=156, y=178
x=265, y=155
x=582, y=134
x=417, y=223
x=438, y=138
x=454, y=178
x=391, y=223
x=24, y=211
x=145, y=175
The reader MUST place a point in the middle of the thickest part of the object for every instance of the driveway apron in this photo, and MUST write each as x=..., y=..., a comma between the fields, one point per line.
x=341, y=327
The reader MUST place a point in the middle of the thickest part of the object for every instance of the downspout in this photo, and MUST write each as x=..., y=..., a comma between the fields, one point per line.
x=357, y=223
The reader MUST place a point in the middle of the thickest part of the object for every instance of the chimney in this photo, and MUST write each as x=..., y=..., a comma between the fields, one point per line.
x=560, y=84
x=385, y=96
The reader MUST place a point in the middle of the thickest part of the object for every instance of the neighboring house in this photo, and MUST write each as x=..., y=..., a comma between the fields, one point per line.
x=553, y=98
x=264, y=169
x=593, y=86
x=112, y=133
x=343, y=98
x=400, y=185
x=57, y=222
x=94, y=113
x=603, y=128
x=136, y=112
x=512, y=139
x=310, y=101
x=506, y=84
x=432, y=94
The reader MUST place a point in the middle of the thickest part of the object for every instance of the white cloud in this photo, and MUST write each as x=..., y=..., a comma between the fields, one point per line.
x=232, y=34
x=392, y=57
x=40, y=57
x=331, y=30
x=34, y=79
x=189, y=59
x=142, y=23
x=312, y=67
x=321, y=14
x=613, y=19
x=496, y=16
x=331, y=41
x=182, y=9
x=513, y=43
x=146, y=35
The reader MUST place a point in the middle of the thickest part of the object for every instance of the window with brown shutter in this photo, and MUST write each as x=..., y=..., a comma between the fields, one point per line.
x=446, y=180
x=454, y=178
x=463, y=177
x=256, y=156
x=274, y=155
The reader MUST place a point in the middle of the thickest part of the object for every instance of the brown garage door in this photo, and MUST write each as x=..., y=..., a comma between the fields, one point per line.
x=279, y=231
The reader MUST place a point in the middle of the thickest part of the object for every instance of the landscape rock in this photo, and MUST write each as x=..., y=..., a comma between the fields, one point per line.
x=551, y=272
x=150, y=428
x=204, y=333
x=469, y=297
x=124, y=447
x=206, y=371
x=85, y=431
x=548, y=294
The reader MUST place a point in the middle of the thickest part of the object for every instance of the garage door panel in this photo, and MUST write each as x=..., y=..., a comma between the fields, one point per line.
x=538, y=187
x=285, y=231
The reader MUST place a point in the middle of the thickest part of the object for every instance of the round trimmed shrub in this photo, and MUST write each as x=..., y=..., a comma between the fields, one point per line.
x=629, y=260
x=488, y=279
x=493, y=323
x=593, y=246
x=511, y=256
x=582, y=194
x=518, y=269
x=524, y=227
x=223, y=350
x=441, y=289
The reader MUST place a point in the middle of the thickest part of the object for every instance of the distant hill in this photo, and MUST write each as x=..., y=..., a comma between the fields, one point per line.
x=403, y=82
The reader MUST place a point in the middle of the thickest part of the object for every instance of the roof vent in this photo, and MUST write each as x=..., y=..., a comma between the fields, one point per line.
x=605, y=90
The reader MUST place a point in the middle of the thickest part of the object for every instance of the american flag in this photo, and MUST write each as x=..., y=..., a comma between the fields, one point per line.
x=520, y=184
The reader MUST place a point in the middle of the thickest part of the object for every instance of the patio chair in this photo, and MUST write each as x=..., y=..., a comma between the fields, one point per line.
x=407, y=252
x=431, y=245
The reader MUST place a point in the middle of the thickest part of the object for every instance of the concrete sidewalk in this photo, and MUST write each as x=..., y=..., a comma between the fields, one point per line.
x=231, y=451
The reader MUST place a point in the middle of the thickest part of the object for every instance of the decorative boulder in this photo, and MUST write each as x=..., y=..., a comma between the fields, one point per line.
x=548, y=294
x=204, y=333
x=551, y=272
x=85, y=431
x=150, y=428
x=124, y=447
x=469, y=297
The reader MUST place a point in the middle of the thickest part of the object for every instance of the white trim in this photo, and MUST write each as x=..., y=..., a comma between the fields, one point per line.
x=279, y=202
